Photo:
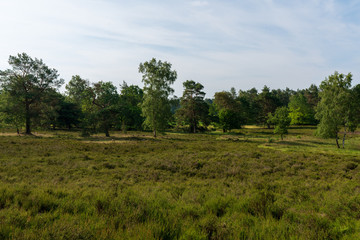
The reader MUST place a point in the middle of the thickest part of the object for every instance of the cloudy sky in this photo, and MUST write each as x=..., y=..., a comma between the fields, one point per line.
x=221, y=44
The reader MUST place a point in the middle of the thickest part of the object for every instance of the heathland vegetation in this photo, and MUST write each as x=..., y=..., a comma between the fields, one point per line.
x=90, y=163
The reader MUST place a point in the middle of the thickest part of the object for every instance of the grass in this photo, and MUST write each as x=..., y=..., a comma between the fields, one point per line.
x=246, y=184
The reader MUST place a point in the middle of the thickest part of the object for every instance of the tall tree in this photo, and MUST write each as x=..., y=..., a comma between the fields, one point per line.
x=157, y=78
x=336, y=108
x=27, y=83
x=193, y=107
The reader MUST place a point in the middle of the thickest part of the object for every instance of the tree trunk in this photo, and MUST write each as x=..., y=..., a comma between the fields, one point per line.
x=107, y=134
x=123, y=127
x=27, y=118
x=343, y=142
x=154, y=132
x=337, y=141
x=282, y=137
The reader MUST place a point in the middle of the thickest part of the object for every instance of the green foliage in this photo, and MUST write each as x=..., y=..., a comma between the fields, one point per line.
x=76, y=90
x=250, y=104
x=268, y=104
x=157, y=78
x=129, y=107
x=27, y=83
x=11, y=112
x=193, y=107
x=336, y=107
x=300, y=110
x=105, y=98
x=281, y=120
x=229, y=111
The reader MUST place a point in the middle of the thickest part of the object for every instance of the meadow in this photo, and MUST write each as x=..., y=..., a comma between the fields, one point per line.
x=247, y=184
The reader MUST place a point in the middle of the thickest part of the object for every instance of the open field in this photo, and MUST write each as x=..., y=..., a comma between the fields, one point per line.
x=247, y=184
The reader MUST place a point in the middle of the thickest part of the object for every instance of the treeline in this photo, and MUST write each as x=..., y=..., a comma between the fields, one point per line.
x=30, y=99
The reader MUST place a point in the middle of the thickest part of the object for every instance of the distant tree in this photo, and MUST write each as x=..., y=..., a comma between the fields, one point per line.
x=300, y=111
x=76, y=89
x=312, y=96
x=268, y=104
x=69, y=114
x=193, y=107
x=104, y=97
x=47, y=110
x=157, y=78
x=250, y=105
x=229, y=111
x=129, y=107
x=336, y=107
x=281, y=120
x=27, y=83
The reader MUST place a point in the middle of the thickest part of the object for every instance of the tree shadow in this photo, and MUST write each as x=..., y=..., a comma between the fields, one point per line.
x=292, y=143
x=116, y=139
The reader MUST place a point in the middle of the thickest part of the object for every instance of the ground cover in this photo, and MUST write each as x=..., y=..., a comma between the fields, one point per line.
x=247, y=184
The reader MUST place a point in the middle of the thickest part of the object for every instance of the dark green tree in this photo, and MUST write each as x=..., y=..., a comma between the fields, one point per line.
x=27, y=83
x=250, y=105
x=11, y=112
x=193, y=107
x=105, y=98
x=129, y=107
x=157, y=78
x=229, y=111
x=268, y=104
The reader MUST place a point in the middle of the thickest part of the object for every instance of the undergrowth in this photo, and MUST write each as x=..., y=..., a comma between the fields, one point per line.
x=57, y=185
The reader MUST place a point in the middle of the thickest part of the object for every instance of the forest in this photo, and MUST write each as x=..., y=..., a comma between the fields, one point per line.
x=105, y=162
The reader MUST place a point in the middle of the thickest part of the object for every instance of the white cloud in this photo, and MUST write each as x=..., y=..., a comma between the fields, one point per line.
x=227, y=43
x=199, y=3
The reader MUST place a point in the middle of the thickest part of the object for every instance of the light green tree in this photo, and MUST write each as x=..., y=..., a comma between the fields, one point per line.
x=336, y=108
x=157, y=77
x=300, y=110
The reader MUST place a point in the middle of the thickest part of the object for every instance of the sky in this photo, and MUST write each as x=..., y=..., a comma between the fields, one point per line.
x=221, y=44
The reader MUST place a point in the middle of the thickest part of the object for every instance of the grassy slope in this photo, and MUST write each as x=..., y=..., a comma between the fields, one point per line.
x=242, y=185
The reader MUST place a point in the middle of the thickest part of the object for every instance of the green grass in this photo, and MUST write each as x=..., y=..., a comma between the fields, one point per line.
x=246, y=184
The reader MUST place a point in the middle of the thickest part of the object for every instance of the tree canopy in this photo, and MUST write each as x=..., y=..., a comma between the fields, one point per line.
x=157, y=78
x=27, y=83
x=193, y=107
x=336, y=108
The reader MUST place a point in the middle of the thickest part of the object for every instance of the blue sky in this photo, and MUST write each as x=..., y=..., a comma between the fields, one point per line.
x=221, y=44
